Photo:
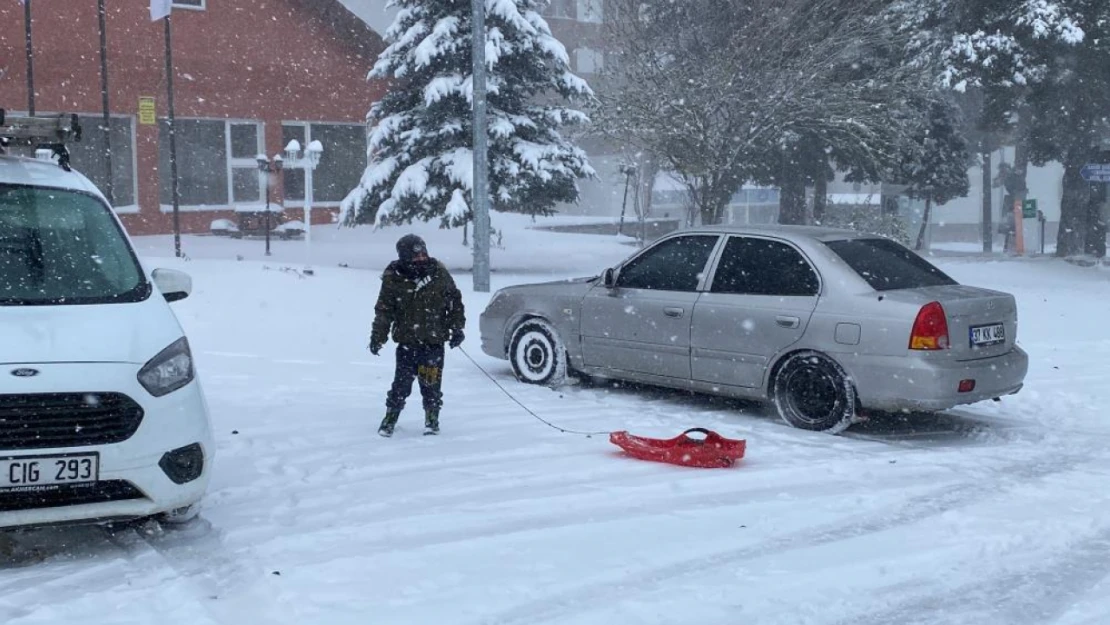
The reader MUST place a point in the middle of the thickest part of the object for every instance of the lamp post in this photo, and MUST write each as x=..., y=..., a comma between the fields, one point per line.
x=268, y=169
x=308, y=160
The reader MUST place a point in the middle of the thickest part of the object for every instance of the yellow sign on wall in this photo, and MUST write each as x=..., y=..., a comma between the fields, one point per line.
x=147, y=115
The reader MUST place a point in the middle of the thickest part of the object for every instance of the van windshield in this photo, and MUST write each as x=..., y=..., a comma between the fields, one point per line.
x=63, y=247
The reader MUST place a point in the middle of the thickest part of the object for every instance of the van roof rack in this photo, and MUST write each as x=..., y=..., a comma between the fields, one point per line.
x=40, y=132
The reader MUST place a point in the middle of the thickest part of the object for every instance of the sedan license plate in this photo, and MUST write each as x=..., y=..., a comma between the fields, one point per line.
x=46, y=472
x=992, y=334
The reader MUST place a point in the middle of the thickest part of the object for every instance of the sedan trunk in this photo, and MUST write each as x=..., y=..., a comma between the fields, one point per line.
x=981, y=323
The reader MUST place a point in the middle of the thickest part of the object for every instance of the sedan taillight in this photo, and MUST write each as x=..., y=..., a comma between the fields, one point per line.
x=930, y=329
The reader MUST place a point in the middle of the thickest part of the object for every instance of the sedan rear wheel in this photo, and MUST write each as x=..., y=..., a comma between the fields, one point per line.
x=537, y=355
x=812, y=392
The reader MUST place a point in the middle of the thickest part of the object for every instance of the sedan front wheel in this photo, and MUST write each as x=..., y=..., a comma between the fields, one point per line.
x=812, y=392
x=537, y=355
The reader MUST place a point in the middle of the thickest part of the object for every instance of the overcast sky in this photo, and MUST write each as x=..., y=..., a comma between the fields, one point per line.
x=373, y=11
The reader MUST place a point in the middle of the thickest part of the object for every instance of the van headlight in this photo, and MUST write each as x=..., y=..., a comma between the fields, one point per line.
x=170, y=370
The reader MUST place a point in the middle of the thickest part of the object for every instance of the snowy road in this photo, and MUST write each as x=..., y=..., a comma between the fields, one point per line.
x=998, y=513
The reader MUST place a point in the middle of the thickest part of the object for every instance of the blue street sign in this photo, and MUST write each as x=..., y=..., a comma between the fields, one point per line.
x=1096, y=172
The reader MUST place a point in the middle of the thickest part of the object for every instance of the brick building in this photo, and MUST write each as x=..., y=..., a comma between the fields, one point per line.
x=249, y=75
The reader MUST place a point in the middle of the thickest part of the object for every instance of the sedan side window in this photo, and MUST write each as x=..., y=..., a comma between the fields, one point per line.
x=751, y=266
x=673, y=265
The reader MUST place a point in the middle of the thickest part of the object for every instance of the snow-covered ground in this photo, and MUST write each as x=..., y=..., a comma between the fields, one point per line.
x=998, y=513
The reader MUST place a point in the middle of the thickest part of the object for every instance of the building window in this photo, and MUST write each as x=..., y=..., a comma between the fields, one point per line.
x=189, y=4
x=216, y=164
x=591, y=10
x=588, y=61
x=560, y=8
x=244, y=142
x=340, y=168
x=88, y=156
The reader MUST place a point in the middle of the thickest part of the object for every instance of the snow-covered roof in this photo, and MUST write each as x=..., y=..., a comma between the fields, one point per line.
x=23, y=170
x=373, y=12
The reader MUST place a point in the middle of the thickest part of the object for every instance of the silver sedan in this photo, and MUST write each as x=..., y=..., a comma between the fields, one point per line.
x=823, y=323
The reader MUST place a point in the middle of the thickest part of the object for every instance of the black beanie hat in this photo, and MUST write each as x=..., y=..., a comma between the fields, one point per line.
x=409, y=246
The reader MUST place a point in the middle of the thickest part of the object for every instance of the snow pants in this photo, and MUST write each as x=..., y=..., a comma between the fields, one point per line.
x=423, y=363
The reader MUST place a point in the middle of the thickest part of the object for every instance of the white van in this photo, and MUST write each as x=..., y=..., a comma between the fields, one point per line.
x=101, y=415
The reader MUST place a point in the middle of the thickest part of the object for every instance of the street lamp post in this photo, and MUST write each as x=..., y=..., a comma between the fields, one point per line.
x=308, y=160
x=268, y=169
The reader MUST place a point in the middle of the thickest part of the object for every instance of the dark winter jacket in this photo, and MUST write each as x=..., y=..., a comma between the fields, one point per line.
x=419, y=303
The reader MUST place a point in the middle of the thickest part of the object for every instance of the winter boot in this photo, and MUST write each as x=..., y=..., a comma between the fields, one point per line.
x=388, y=423
x=431, y=423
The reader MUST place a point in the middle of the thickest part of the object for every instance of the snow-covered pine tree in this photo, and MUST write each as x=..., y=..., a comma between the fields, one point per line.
x=421, y=162
x=1005, y=52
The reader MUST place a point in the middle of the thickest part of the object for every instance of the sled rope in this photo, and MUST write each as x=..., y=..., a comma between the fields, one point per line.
x=526, y=408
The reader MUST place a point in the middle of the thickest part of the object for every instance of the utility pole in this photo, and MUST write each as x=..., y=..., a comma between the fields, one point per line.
x=481, y=160
x=109, y=189
x=30, y=58
x=988, y=229
x=173, y=142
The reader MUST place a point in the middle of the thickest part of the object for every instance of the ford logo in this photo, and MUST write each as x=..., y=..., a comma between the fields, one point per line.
x=25, y=373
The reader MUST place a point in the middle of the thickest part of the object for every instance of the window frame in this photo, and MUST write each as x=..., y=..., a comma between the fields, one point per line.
x=133, y=207
x=178, y=4
x=231, y=163
x=719, y=256
x=560, y=10
x=710, y=261
x=583, y=13
x=234, y=163
x=306, y=125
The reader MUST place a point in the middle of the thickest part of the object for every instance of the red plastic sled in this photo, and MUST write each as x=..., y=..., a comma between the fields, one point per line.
x=712, y=452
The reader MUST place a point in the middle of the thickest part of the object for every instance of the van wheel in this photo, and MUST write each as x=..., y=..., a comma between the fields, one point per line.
x=537, y=355
x=812, y=392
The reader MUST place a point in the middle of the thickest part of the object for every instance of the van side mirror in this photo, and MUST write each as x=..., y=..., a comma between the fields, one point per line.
x=174, y=285
x=609, y=278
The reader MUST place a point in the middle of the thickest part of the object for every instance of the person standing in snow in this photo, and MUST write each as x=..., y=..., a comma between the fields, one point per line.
x=420, y=306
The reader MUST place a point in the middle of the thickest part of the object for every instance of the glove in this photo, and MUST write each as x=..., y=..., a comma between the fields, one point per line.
x=457, y=338
x=375, y=348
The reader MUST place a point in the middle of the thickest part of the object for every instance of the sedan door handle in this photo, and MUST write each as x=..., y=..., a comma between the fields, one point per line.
x=673, y=312
x=787, y=322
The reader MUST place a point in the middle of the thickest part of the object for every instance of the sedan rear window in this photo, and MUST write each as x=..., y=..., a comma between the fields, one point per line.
x=887, y=265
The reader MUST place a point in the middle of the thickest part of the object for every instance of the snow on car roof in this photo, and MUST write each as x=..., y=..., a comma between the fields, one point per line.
x=41, y=173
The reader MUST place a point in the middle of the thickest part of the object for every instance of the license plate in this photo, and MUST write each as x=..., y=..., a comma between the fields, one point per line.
x=992, y=334
x=46, y=472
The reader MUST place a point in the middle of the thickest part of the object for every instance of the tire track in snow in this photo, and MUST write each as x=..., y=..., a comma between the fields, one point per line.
x=1030, y=596
x=196, y=556
x=518, y=489
x=480, y=476
x=1006, y=477
x=141, y=560
x=542, y=519
x=146, y=559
